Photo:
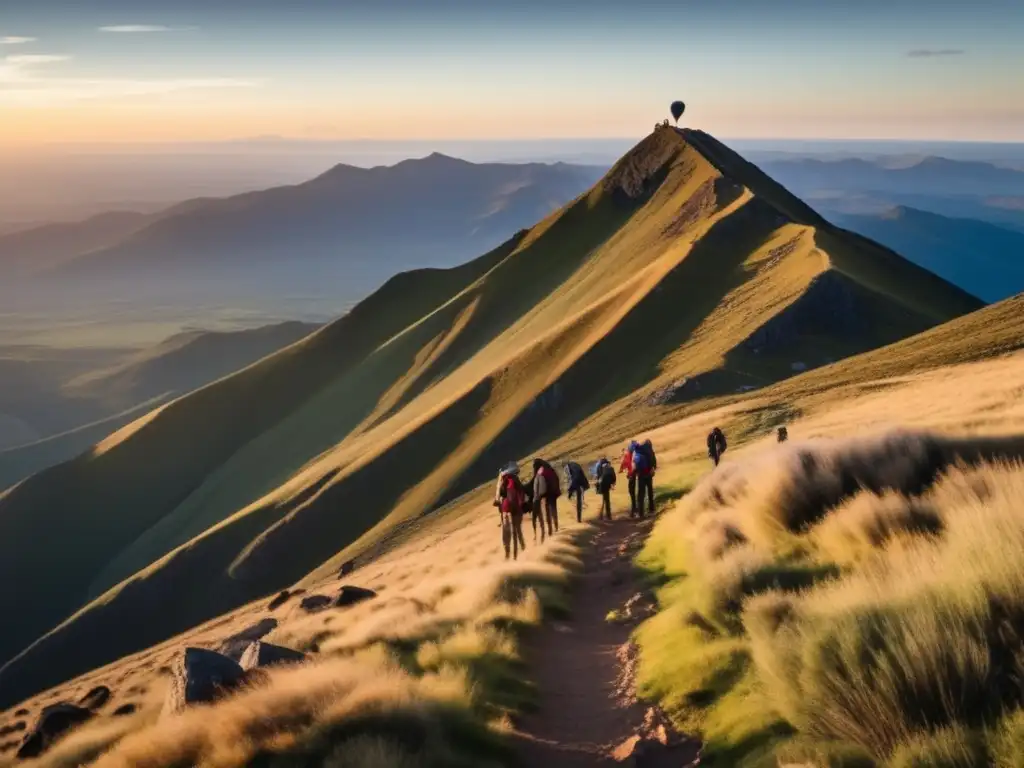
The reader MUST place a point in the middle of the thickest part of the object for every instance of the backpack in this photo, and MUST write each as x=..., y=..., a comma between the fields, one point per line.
x=640, y=462
x=716, y=441
x=648, y=450
x=607, y=477
x=517, y=499
x=575, y=477
x=554, y=488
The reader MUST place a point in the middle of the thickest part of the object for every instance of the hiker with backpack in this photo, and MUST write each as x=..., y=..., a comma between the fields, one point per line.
x=604, y=481
x=577, y=483
x=716, y=445
x=626, y=465
x=644, y=463
x=782, y=434
x=546, y=490
x=510, y=499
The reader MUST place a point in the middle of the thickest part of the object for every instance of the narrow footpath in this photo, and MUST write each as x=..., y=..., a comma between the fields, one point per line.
x=584, y=667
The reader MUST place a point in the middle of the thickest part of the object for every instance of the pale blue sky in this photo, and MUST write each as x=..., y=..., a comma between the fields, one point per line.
x=189, y=69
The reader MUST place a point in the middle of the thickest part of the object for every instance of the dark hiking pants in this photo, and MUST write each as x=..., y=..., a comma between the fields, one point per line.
x=579, y=503
x=537, y=516
x=632, y=495
x=550, y=515
x=606, y=504
x=512, y=535
x=646, y=483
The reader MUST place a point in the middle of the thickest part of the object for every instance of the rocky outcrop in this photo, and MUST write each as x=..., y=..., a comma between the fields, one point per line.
x=350, y=595
x=315, y=603
x=234, y=646
x=200, y=677
x=95, y=698
x=260, y=654
x=54, y=721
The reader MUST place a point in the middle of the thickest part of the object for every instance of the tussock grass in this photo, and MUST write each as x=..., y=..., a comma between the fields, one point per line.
x=421, y=677
x=863, y=596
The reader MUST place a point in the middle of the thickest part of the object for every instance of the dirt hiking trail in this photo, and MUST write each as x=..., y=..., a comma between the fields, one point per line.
x=588, y=712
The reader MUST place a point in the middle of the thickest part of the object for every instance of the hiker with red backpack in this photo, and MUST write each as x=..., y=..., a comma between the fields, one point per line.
x=546, y=490
x=510, y=498
x=644, y=463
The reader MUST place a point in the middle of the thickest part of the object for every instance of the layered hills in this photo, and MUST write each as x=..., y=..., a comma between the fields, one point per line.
x=684, y=273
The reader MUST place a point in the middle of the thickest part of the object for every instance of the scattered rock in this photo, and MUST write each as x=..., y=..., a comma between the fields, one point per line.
x=7, y=746
x=124, y=710
x=261, y=654
x=314, y=603
x=282, y=597
x=136, y=690
x=352, y=595
x=347, y=567
x=16, y=727
x=234, y=646
x=21, y=713
x=95, y=698
x=54, y=721
x=638, y=607
x=201, y=676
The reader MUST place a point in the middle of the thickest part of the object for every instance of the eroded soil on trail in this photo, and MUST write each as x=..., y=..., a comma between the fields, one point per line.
x=589, y=714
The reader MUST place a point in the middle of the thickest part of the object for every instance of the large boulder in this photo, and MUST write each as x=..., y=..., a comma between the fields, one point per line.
x=282, y=597
x=95, y=698
x=233, y=647
x=352, y=595
x=261, y=654
x=201, y=676
x=348, y=566
x=54, y=721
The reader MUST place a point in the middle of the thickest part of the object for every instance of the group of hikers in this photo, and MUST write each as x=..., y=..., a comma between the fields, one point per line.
x=539, y=497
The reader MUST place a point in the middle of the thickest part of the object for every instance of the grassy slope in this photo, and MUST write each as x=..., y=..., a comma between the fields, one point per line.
x=681, y=254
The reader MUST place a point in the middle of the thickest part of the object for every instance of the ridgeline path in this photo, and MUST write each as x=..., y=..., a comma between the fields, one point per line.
x=584, y=667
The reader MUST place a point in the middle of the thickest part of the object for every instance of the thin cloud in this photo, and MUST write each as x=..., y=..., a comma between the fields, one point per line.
x=25, y=81
x=33, y=59
x=15, y=40
x=933, y=53
x=136, y=28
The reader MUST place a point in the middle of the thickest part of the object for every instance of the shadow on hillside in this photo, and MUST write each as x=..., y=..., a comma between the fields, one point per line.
x=658, y=325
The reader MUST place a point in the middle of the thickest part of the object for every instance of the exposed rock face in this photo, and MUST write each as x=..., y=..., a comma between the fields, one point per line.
x=261, y=654
x=95, y=698
x=54, y=721
x=347, y=567
x=351, y=595
x=201, y=676
x=830, y=305
x=234, y=646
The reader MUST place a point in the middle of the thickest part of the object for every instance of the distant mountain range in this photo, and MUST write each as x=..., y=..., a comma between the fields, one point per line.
x=983, y=259
x=353, y=225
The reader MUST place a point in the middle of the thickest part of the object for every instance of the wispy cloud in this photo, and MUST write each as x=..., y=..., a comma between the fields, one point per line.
x=15, y=40
x=24, y=81
x=33, y=59
x=136, y=28
x=931, y=53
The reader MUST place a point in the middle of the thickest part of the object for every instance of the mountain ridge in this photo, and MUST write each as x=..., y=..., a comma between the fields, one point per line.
x=683, y=262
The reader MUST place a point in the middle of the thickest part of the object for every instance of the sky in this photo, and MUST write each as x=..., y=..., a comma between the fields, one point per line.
x=191, y=70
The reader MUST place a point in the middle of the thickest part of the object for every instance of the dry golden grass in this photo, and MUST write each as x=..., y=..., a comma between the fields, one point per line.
x=426, y=674
x=853, y=601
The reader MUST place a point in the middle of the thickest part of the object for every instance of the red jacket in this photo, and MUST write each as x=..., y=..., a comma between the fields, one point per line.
x=627, y=464
x=512, y=491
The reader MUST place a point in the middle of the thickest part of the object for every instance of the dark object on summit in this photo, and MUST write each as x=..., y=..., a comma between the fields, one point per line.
x=677, y=109
x=783, y=434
